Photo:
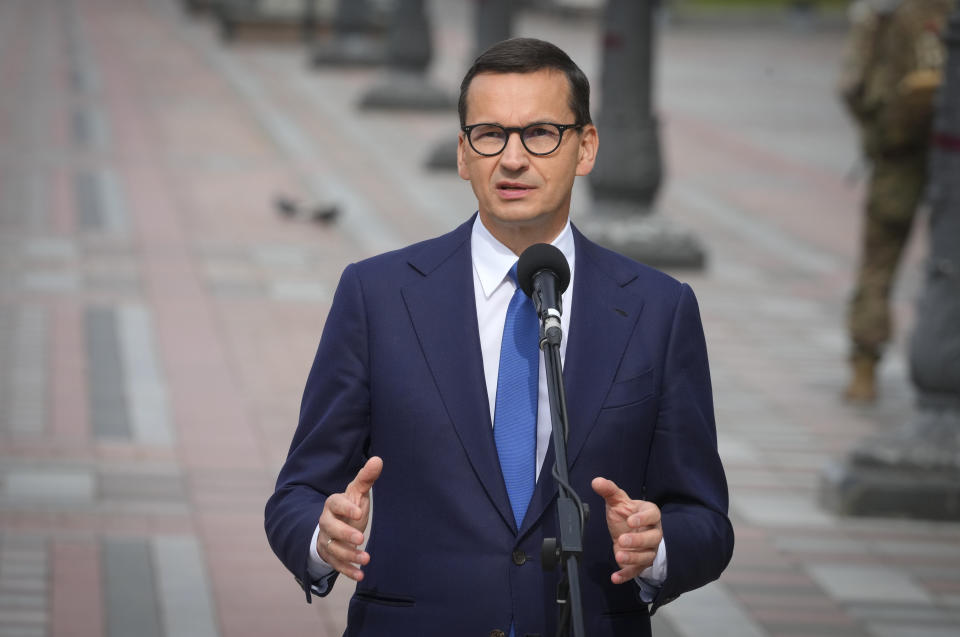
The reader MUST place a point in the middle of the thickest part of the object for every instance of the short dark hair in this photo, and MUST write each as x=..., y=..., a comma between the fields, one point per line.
x=527, y=55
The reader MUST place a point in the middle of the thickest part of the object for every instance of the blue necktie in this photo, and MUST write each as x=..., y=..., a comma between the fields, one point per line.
x=515, y=415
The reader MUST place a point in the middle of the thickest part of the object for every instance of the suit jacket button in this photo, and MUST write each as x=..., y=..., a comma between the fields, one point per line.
x=519, y=557
x=496, y=632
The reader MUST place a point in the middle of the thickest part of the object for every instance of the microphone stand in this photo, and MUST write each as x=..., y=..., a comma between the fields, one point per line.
x=571, y=511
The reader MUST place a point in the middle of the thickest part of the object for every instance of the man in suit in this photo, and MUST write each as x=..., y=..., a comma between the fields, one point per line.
x=409, y=396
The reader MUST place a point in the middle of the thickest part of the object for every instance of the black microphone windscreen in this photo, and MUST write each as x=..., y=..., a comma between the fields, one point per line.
x=542, y=256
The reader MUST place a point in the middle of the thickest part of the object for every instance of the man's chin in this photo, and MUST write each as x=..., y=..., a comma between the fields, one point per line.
x=534, y=226
x=520, y=216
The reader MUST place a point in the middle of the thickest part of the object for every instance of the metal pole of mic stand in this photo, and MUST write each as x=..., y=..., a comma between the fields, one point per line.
x=571, y=512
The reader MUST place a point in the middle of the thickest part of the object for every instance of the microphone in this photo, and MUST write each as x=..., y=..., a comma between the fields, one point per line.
x=543, y=274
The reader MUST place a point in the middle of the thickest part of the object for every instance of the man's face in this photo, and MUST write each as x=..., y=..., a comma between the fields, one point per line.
x=524, y=198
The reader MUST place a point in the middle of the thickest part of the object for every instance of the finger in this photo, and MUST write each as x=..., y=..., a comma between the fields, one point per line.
x=647, y=515
x=343, y=557
x=626, y=575
x=347, y=568
x=609, y=491
x=340, y=531
x=643, y=541
x=631, y=564
x=342, y=507
x=336, y=552
x=635, y=559
x=367, y=475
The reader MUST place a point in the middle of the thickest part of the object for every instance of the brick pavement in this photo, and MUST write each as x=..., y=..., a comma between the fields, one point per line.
x=157, y=317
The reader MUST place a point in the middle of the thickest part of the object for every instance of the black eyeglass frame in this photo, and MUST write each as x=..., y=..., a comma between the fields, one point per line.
x=509, y=130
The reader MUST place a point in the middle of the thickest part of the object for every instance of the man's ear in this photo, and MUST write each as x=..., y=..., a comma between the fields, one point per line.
x=589, y=145
x=462, y=156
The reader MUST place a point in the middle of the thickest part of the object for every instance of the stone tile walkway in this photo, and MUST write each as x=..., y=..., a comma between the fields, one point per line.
x=158, y=317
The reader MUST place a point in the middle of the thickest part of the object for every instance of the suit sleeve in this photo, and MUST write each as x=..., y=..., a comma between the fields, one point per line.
x=685, y=476
x=331, y=440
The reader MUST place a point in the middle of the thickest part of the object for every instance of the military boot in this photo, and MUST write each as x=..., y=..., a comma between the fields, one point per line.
x=863, y=384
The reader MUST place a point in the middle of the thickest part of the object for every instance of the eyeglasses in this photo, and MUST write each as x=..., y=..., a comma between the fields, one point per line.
x=539, y=138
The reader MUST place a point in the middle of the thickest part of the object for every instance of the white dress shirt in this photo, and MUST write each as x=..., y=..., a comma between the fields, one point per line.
x=493, y=288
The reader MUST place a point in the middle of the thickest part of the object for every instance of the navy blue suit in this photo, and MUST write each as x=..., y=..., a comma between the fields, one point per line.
x=399, y=374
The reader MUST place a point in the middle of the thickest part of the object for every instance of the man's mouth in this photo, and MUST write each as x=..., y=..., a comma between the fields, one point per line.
x=512, y=190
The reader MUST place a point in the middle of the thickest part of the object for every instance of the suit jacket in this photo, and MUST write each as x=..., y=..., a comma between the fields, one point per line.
x=399, y=374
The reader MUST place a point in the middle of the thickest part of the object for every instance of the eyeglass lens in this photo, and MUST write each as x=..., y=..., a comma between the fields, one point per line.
x=490, y=139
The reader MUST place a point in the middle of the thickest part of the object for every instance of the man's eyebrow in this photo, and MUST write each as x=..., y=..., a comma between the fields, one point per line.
x=541, y=120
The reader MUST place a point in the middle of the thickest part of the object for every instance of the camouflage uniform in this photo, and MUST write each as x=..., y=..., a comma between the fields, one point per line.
x=892, y=68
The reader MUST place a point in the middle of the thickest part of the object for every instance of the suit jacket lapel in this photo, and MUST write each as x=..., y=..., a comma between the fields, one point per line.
x=443, y=311
x=602, y=318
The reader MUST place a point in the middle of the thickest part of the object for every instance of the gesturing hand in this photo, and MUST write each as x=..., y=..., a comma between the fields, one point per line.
x=344, y=521
x=634, y=527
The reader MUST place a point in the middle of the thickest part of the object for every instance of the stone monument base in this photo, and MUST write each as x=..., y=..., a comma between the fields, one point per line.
x=913, y=472
x=407, y=91
x=642, y=235
x=349, y=51
x=245, y=23
x=443, y=156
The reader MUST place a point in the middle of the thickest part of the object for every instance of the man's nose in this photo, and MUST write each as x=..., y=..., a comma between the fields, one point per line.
x=514, y=154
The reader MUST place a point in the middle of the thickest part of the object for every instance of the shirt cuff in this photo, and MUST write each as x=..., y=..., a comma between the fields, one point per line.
x=651, y=578
x=320, y=572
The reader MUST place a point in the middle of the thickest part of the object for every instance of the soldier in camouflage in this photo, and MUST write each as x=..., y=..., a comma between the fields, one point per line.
x=891, y=71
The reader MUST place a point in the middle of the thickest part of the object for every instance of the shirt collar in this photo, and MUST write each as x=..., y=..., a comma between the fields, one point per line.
x=492, y=260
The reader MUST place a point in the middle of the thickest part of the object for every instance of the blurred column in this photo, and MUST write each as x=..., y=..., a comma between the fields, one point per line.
x=355, y=41
x=309, y=22
x=915, y=471
x=409, y=51
x=629, y=169
x=197, y=7
x=802, y=14
x=493, y=22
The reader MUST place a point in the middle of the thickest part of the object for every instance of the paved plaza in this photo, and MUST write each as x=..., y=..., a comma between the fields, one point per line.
x=158, y=316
